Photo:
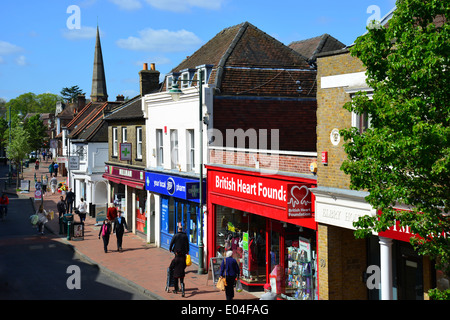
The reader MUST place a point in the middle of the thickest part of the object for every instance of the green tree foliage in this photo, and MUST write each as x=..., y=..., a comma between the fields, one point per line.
x=32, y=103
x=403, y=158
x=19, y=147
x=37, y=131
x=70, y=93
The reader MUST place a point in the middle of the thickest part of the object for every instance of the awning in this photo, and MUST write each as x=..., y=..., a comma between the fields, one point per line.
x=131, y=183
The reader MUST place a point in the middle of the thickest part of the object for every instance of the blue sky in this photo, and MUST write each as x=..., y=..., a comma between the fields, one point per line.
x=43, y=48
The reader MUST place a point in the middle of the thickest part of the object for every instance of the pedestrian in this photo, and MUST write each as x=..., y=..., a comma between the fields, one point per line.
x=70, y=198
x=180, y=242
x=105, y=232
x=50, y=155
x=44, y=184
x=82, y=209
x=120, y=225
x=178, y=266
x=43, y=155
x=268, y=294
x=36, y=164
x=4, y=202
x=61, y=207
x=55, y=169
x=42, y=219
x=230, y=268
x=50, y=168
x=53, y=184
x=38, y=185
x=111, y=214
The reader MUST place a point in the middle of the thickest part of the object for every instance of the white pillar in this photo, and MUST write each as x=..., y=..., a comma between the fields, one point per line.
x=386, y=268
x=147, y=210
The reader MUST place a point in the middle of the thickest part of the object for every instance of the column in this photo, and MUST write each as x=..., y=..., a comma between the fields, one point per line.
x=386, y=268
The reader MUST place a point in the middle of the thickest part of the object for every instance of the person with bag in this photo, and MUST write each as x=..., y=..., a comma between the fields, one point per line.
x=105, y=232
x=42, y=219
x=82, y=209
x=180, y=242
x=178, y=265
x=229, y=269
x=120, y=225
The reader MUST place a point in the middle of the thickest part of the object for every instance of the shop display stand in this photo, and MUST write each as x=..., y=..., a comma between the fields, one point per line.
x=300, y=282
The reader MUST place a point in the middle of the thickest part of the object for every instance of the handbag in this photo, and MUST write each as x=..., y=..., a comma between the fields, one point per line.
x=238, y=286
x=222, y=282
x=188, y=260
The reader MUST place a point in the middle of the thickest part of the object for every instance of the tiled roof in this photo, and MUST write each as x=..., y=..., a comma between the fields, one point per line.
x=313, y=46
x=131, y=109
x=246, y=60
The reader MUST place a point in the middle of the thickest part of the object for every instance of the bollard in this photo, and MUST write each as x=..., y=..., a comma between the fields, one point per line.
x=68, y=230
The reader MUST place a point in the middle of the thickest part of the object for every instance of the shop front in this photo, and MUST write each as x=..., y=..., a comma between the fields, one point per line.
x=268, y=222
x=127, y=192
x=178, y=199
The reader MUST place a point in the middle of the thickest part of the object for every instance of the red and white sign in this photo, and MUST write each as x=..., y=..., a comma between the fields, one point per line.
x=298, y=202
x=325, y=157
x=294, y=198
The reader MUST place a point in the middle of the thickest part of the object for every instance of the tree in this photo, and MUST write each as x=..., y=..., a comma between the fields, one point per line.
x=71, y=93
x=403, y=157
x=19, y=147
x=32, y=103
x=37, y=131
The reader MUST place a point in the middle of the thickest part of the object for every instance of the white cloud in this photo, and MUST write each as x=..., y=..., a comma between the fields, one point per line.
x=80, y=34
x=8, y=48
x=185, y=5
x=128, y=4
x=21, y=61
x=160, y=40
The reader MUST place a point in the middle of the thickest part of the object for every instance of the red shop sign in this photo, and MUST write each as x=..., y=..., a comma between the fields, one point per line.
x=298, y=201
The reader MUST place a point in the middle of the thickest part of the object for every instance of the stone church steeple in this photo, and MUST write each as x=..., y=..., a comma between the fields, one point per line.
x=98, y=92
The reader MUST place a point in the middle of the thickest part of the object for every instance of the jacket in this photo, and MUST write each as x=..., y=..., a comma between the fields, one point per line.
x=61, y=206
x=70, y=196
x=119, y=227
x=4, y=200
x=231, y=269
x=108, y=230
x=179, y=242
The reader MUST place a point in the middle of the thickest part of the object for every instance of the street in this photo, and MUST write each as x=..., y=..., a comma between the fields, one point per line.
x=36, y=267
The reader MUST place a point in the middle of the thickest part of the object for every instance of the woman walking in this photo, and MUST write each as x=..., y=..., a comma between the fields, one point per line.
x=178, y=265
x=230, y=269
x=105, y=231
x=42, y=219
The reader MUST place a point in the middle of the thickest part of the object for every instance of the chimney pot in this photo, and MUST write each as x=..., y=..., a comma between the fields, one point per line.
x=145, y=66
x=152, y=66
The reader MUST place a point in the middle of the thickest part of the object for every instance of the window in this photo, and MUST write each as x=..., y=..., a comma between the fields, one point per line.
x=190, y=149
x=159, y=147
x=169, y=83
x=124, y=134
x=184, y=80
x=139, y=142
x=361, y=121
x=173, y=148
x=114, y=138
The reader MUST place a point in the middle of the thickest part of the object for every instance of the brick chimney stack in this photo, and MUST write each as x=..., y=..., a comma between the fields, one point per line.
x=148, y=79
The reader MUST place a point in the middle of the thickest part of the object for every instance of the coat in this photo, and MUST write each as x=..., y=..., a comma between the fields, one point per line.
x=231, y=269
x=178, y=265
x=119, y=227
x=179, y=242
x=108, y=230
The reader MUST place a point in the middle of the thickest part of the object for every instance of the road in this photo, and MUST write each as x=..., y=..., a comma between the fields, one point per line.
x=44, y=267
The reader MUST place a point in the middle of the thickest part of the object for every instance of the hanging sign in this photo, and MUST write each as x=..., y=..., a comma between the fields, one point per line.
x=298, y=201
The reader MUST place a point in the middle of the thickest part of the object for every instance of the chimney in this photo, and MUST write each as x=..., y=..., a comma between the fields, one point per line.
x=148, y=79
x=120, y=98
x=81, y=102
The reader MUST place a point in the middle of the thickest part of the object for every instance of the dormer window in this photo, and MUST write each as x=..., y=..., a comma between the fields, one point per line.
x=186, y=78
x=169, y=82
x=206, y=72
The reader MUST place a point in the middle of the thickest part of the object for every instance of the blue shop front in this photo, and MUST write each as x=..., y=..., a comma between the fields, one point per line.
x=179, y=204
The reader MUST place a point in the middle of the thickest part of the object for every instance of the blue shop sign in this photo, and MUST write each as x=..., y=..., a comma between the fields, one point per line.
x=174, y=186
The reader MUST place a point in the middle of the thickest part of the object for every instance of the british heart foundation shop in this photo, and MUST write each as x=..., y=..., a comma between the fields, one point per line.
x=268, y=222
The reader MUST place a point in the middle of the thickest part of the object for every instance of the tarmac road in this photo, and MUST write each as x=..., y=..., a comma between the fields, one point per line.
x=36, y=267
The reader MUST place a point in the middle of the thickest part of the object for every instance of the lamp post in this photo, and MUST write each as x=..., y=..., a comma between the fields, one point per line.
x=175, y=92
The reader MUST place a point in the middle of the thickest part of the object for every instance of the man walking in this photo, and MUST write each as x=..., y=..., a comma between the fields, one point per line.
x=61, y=207
x=120, y=225
x=180, y=242
x=70, y=198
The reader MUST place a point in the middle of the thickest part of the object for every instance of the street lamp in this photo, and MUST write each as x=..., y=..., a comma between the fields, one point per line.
x=175, y=93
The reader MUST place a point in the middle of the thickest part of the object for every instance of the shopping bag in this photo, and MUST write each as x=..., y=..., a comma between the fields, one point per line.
x=238, y=286
x=188, y=260
x=34, y=219
x=221, y=284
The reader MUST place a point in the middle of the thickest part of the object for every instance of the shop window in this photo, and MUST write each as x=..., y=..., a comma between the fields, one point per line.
x=171, y=216
x=193, y=232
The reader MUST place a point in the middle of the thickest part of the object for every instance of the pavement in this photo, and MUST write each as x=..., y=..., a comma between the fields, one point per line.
x=140, y=264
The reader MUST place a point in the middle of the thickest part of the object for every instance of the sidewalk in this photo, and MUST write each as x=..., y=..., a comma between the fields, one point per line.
x=141, y=265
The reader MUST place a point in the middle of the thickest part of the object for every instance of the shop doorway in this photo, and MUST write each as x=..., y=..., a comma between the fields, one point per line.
x=409, y=272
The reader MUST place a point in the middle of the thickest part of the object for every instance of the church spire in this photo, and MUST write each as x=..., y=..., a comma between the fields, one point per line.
x=98, y=92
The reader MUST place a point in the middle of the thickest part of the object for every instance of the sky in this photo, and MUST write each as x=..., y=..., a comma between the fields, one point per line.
x=47, y=45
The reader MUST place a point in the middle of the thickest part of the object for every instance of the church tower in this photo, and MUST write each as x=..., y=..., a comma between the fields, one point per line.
x=98, y=92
